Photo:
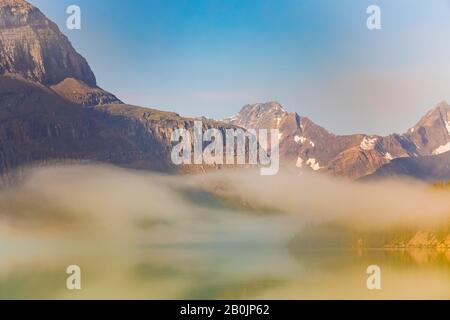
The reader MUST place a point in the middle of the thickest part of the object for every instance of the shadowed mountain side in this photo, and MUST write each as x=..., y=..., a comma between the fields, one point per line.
x=37, y=125
x=80, y=93
x=429, y=168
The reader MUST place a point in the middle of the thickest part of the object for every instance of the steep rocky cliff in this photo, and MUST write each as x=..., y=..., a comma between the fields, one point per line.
x=31, y=45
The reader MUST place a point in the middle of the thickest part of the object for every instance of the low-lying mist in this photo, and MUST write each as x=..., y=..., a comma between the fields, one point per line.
x=123, y=206
x=318, y=198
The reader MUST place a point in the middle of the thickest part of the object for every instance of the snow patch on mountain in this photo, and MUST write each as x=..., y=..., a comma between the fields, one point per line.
x=442, y=149
x=447, y=126
x=368, y=143
x=388, y=156
x=299, y=163
x=313, y=164
x=299, y=139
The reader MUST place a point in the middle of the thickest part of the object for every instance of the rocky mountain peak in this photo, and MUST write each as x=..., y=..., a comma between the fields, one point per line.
x=443, y=105
x=439, y=113
x=33, y=46
x=259, y=115
x=15, y=3
x=18, y=13
x=262, y=108
x=431, y=134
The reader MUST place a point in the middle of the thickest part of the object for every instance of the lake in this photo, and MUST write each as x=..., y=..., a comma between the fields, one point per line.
x=219, y=271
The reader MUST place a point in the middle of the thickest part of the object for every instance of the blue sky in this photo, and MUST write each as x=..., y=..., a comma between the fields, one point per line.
x=316, y=57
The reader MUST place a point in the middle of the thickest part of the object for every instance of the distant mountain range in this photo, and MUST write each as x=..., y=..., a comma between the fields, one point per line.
x=51, y=109
x=307, y=145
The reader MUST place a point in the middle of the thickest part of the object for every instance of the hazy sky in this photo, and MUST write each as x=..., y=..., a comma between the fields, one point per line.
x=316, y=57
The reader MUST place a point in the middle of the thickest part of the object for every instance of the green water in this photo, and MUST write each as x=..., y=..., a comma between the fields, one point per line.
x=223, y=272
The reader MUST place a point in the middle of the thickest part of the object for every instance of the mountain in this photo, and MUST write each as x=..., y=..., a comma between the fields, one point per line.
x=52, y=110
x=305, y=144
x=431, y=135
x=39, y=126
x=79, y=92
x=302, y=142
x=260, y=115
x=427, y=168
x=32, y=46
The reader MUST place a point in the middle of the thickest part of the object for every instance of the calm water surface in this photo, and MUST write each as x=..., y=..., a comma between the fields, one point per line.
x=222, y=272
